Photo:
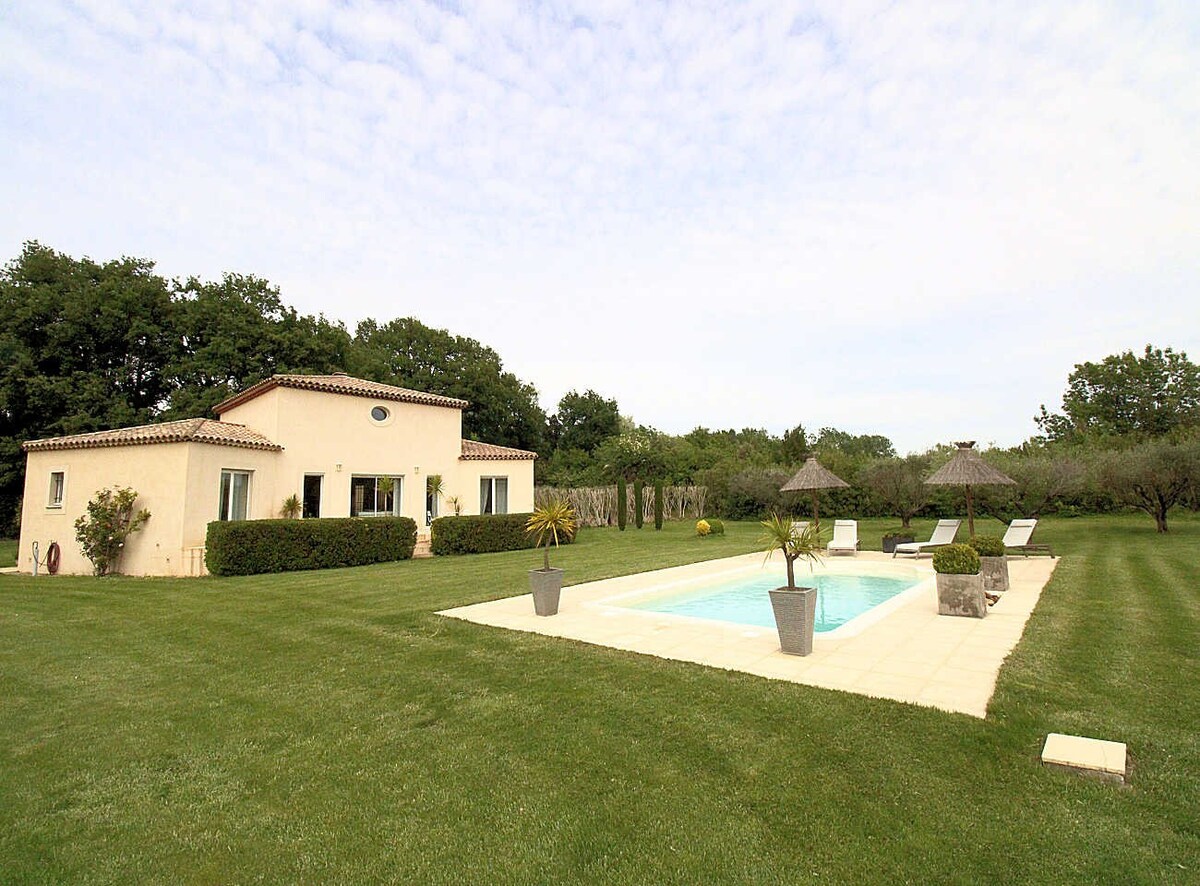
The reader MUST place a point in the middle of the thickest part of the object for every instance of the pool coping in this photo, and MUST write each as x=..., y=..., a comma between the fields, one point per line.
x=907, y=652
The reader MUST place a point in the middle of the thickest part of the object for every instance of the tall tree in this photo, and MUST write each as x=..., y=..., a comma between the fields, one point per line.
x=408, y=353
x=584, y=421
x=83, y=346
x=794, y=446
x=236, y=332
x=1124, y=394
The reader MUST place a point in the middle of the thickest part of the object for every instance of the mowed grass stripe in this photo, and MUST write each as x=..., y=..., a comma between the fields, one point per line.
x=329, y=726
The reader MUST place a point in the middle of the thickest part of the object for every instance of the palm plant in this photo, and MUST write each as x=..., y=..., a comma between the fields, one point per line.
x=548, y=522
x=796, y=541
x=455, y=504
x=291, y=507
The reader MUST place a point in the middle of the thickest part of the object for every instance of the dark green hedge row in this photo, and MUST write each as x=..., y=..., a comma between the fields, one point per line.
x=482, y=534
x=250, y=547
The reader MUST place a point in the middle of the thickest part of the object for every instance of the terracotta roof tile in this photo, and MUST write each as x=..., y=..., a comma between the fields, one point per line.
x=473, y=450
x=189, y=430
x=340, y=384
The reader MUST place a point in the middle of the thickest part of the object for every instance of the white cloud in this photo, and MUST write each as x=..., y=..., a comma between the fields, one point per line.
x=928, y=212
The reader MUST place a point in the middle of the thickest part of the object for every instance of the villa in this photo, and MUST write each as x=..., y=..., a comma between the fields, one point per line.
x=344, y=446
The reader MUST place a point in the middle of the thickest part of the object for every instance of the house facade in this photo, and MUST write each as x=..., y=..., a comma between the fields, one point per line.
x=343, y=446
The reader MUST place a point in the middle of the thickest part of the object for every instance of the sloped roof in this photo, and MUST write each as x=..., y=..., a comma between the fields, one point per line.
x=340, y=384
x=473, y=450
x=967, y=468
x=188, y=430
x=813, y=475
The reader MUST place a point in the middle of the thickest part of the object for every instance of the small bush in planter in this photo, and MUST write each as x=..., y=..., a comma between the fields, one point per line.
x=549, y=523
x=959, y=584
x=956, y=559
x=995, y=567
x=987, y=545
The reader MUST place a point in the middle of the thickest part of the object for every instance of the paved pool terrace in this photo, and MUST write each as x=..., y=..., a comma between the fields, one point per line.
x=902, y=650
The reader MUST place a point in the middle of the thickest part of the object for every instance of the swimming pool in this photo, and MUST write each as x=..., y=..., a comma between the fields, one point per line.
x=841, y=598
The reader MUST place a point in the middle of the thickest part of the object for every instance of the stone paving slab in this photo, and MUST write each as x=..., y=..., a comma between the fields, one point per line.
x=902, y=650
x=1089, y=756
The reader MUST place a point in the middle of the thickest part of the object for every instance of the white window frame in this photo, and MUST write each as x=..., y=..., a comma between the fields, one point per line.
x=230, y=472
x=492, y=497
x=62, y=490
x=397, y=500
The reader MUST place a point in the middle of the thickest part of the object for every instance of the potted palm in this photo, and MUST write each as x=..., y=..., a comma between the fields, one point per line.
x=795, y=608
x=959, y=584
x=993, y=565
x=549, y=521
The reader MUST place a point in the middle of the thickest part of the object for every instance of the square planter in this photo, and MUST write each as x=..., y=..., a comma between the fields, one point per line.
x=546, y=587
x=961, y=595
x=890, y=542
x=995, y=574
x=795, y=618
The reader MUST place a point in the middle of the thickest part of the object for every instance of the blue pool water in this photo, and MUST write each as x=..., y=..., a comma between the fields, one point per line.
x=745, y=600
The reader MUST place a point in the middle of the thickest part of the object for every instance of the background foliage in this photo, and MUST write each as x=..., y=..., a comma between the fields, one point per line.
x=88, y=346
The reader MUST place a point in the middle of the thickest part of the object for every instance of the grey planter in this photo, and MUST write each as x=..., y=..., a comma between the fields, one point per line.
x=546, y=587
x=795, y=618
x=995, y=574
x=961, y=595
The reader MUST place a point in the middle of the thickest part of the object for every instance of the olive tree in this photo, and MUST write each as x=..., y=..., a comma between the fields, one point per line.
x=1152, y=476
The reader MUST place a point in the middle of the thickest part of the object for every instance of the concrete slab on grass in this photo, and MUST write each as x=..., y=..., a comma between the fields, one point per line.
x=1106, y=760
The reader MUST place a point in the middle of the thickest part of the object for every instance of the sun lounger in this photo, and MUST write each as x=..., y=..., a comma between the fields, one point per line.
x=1017, y=538
x=943, y=534
x=845, y=537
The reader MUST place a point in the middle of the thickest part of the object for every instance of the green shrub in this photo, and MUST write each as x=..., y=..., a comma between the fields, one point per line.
x=109, y=522
x=251, y=547
x=715, y=526
x=484, y=534
x=987, y=545
x=622, y=504
x=658, y=505
x=956, y=560
x=638, y=503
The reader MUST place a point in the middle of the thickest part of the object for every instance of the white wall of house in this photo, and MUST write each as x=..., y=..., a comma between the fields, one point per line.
x=158, y=474
x=331, y=436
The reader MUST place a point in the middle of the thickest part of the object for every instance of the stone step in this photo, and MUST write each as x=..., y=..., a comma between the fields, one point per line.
x=423, y=548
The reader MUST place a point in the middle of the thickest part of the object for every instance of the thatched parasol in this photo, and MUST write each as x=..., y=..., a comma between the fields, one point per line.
x=813, y=476
x=967, y=469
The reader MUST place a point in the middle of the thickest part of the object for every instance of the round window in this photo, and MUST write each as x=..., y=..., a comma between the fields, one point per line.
x=379, y=413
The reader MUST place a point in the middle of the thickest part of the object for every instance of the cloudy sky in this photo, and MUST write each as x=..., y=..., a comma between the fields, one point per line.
x=899, y=218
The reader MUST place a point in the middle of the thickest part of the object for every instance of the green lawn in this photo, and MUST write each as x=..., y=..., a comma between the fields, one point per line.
x=329, y=727
x=8, y=552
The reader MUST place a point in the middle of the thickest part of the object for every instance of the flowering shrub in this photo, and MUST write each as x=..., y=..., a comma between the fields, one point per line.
x=109, y=522
x=702, y=528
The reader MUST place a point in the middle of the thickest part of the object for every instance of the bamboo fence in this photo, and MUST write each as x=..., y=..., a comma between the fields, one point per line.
x=597, y=505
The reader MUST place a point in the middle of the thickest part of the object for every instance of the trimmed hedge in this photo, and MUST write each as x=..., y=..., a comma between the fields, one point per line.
x=988, y=545
x=251, y=547
x=483, y=534
x=956, y=559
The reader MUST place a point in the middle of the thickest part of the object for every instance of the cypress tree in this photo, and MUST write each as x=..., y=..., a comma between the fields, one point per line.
x=622, y=503
x=658, y=505
x=639, y=489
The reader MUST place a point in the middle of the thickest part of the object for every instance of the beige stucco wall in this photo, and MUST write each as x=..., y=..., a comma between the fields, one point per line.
x=520, y=484
x=334, y=435
x=179, y=483
x=158, y=475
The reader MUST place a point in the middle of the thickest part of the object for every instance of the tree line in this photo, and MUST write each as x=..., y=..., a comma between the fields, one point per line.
x=87, y=346
x=90, y=346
